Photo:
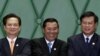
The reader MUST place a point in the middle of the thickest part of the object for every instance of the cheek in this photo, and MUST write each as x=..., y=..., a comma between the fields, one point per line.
x=56, y=32
x=93, y=26
x=6, y=28
x=18, y=29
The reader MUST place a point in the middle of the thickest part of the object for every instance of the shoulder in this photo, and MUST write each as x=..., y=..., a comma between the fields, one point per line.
x=97, y=36
x=2, y=40
x=61, y=41
x=62, y=44
x=24, y=40
x=36, y=40
x=73, y=37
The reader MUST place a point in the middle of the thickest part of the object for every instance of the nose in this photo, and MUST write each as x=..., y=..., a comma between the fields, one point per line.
x=51, y=31
x=87, y=24
x=12, y=26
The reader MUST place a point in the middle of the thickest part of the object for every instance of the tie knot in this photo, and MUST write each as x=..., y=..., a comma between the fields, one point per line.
x=49, y=44
x=87, y=38
x=12, y=41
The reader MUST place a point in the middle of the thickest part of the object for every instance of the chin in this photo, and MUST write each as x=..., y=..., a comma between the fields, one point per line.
x=51, y=39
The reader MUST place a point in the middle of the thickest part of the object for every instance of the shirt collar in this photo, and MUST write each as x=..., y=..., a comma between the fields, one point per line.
x=52, y=42
x=90, y=36
x=49, y=41
x=9, y=40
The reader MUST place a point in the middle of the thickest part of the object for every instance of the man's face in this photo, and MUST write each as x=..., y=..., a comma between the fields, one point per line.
x=12, y=26
x=51, y=31
x=88, y=25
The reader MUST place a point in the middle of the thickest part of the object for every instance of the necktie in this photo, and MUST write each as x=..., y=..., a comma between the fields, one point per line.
x=49, y=45
x=11, y=46
x=87, y=40
x=87, y=47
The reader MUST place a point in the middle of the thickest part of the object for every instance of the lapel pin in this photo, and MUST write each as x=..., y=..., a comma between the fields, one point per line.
x=54, y=48
x=93, y=43
x=17, y=45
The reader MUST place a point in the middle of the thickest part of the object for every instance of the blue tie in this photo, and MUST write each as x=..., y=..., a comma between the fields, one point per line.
x=87, y=40
x=49, y=45
x=87, y=47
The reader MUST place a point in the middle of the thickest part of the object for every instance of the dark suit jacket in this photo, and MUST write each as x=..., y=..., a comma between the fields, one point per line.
x=21, y=48
x=0, y=47
x=39, y=48
x=78, y=47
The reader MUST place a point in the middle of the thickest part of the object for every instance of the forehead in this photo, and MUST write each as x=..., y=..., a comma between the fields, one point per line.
x=88, y=18
x=12, y=20
x=51, y=24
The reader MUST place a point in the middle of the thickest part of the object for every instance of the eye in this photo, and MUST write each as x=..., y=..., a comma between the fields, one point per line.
x=15, y=24
x=84, y=23
x=49, y=28
x=9, y=24
x=90, y=23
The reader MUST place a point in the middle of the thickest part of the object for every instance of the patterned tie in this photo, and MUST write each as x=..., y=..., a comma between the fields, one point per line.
x=49, y=45
x=11, y=46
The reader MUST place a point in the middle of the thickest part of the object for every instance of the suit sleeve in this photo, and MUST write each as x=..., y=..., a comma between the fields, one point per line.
x=70, y=51
x=36, y=49
x=64, y=49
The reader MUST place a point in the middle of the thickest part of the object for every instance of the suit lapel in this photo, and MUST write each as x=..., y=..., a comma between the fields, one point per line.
x=94, y=40
x=81, y=43
x=17, y=46
x=55, y=47
x=44, y=45
x=5, y=45
x=93, y=43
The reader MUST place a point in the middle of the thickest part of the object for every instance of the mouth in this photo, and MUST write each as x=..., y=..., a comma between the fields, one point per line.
x=12, y=30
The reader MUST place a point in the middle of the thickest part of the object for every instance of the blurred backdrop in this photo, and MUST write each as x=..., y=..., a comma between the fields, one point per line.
x=33, y=12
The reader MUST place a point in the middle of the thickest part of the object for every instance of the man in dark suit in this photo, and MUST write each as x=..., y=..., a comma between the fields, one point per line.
x=13, y=45
x=49, y=45
x=86, y=43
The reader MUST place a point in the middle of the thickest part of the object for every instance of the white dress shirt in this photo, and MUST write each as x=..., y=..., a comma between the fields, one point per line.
x=52, y=42
x=9, y=40
x=89, y=37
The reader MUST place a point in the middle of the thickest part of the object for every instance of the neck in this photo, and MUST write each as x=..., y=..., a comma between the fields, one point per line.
x=11, y=36
x=88, y=34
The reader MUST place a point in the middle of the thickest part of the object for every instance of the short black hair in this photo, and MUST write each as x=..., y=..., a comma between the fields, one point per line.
x=5, y=18
x=50, y=20
x=89, y=14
